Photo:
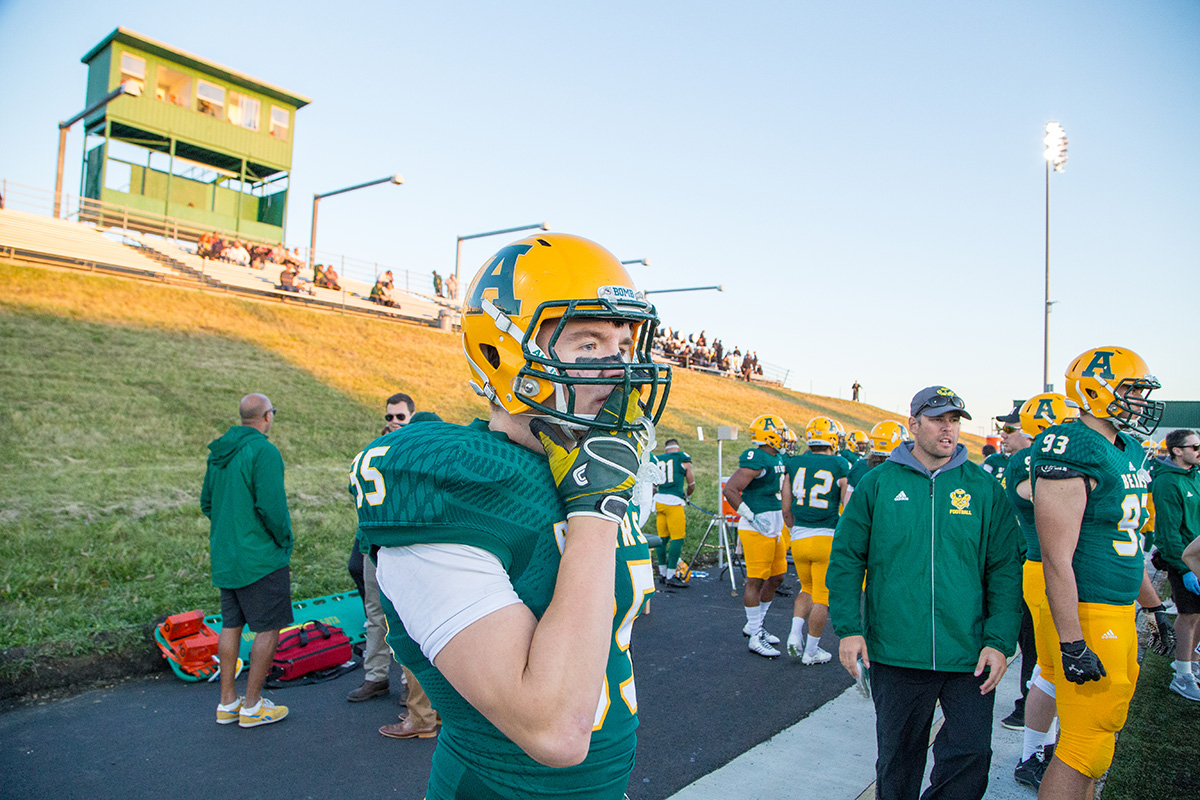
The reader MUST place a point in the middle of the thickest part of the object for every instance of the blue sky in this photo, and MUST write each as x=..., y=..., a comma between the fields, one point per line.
x=865, y=179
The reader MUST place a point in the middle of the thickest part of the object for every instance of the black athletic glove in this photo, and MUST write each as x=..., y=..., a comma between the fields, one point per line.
x=1080, y=664
x=1162, y=634
x=595, y=477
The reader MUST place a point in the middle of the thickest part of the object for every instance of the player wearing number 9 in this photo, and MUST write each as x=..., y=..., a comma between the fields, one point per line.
x=511, y=573
x=1089, y=493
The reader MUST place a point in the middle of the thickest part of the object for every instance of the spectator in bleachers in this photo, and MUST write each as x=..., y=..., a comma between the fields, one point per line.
x=381, y=292
x=452, y=286
x=437, y=283
x=287, y=280
x=238, y=254
x=331, y=278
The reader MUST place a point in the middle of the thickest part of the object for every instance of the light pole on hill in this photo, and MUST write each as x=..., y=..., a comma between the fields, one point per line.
x=720, y=288
x=127, y=88
x=1056, y=160
x=544, y=226
x=645, y=262
x=396, y=179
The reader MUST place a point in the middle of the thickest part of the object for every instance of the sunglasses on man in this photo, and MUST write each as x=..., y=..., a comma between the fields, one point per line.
x=397, y=417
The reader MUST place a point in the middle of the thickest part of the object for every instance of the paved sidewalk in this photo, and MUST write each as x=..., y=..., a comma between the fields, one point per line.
x=831, y=754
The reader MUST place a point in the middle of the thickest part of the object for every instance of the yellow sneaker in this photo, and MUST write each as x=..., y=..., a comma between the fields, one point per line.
x=230, y=713
x=266, y=713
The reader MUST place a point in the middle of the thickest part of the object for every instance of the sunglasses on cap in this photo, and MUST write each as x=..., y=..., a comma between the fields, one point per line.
x=940, y=401
x=397, y=417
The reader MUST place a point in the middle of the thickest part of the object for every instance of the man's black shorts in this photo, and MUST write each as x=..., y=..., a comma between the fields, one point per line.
x=1185, y=601
x=264, y=605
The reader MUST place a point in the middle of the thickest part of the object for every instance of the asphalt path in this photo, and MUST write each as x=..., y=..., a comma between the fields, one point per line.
x=703, y=700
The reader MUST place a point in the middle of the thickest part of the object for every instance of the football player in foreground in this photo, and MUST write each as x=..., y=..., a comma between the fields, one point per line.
x=813, y=492
x=754, y=490
x=1089, y=494
x=510, y=570
x=1034, y=710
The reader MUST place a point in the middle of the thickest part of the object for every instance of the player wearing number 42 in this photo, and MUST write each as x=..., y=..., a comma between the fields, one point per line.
x=510, y=569
x=1089, y=499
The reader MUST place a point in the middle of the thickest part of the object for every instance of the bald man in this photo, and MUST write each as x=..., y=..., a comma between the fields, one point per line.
x=250, y=543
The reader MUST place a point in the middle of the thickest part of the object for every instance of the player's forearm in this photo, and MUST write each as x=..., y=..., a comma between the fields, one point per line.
x=1147, y=594
x=559, y=689
x=1063, y=596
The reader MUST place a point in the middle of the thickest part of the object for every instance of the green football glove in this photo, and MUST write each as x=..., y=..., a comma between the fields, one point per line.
x=595, y=477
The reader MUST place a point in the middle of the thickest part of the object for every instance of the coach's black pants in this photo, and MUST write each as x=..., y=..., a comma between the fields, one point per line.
x=962, y=752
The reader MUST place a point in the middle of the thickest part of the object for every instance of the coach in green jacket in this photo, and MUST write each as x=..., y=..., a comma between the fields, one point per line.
x=939, y=546
x=250, y=547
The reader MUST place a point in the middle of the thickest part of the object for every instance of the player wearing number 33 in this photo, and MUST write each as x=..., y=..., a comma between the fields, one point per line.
x=510, y=570
x=1089, y=490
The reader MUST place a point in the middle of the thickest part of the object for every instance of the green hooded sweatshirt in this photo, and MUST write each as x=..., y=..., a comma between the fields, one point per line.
x=941, y=553
x=1176, y=493
x=243, y=495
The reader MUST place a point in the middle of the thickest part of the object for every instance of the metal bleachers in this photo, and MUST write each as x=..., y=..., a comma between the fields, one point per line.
x=40, y=239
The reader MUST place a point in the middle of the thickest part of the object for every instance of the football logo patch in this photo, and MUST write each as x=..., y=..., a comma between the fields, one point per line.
x=961, y=502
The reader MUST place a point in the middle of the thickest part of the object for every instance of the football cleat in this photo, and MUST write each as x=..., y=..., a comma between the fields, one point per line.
x=675, y=583
x=760, y=645
x=771, y=638
x=819, y=657
x=1030, y=771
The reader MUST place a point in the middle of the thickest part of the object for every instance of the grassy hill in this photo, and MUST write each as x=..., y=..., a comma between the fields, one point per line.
x=113, y=388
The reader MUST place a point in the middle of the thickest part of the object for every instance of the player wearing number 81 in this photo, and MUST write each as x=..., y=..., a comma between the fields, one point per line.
x=1089, y=494
x=505, y=552
x=813, y=490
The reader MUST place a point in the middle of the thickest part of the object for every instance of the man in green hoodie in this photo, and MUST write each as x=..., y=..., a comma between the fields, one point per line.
x=250, y=546
x=938, y=544
x=1176, y=491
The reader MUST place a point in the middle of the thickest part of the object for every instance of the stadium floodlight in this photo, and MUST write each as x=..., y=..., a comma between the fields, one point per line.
x=396, y=180
x=131, y=88
x=1056, y=160
x=543, y=226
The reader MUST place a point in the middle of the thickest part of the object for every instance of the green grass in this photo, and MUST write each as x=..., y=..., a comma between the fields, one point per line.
x=111, y=389
x=1156, y=757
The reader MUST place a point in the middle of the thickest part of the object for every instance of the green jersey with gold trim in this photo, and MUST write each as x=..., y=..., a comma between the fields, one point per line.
x=443, y=483
x=995, y=464
x=851, y=457
x=1108, y=561
x=1016, y=473
x=674, y=475
x=857, y=470
x=762, y=493
x=815, y=491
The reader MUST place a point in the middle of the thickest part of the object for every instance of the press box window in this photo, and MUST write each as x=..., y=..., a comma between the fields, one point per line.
x=133, y=70
x=279, y=122
x=173, y=87
x=210, y=99
x=243, y=111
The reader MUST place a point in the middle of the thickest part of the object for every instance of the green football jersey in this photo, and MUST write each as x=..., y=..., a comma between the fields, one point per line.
x=857, y=470
x=1108, y=562
x=762, y=494
x=443, y=483
x=675, y=475
x=996, y=463
x=815, y=492
x=1015, y=474
x=850, y=456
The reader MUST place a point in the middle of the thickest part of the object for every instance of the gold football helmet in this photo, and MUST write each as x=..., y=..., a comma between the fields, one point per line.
x=553, y=279
x=856, y=438
x=768, y=430
x=822, y=431
x=1101, y=381
x=886, y=436
x=1043, y=410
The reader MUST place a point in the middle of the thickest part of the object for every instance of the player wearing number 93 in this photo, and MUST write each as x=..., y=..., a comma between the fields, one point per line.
x=1089, y=490
x=510, y=571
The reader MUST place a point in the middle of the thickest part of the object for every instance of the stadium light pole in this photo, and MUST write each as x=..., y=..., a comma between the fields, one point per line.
x=645, y=262
x=544, y=226
x=396, y=179
x=687, y=289
x=1056, y=160
x=127, y=88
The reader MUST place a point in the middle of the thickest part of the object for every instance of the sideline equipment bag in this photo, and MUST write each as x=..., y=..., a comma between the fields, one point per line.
x=309, y=647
